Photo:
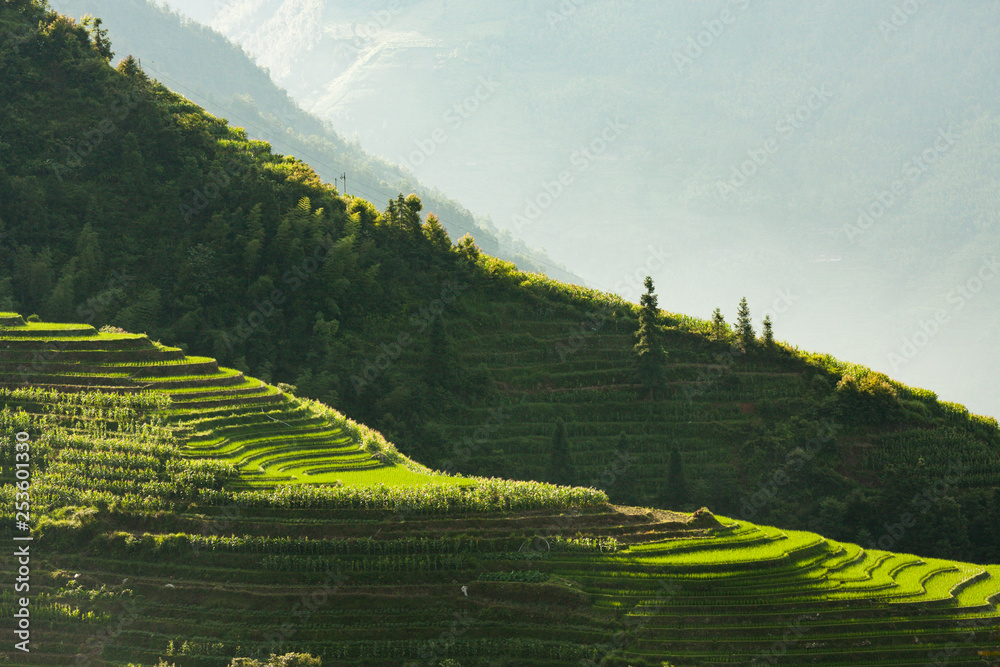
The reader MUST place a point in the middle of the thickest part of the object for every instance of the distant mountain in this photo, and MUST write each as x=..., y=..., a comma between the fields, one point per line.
x=206, y=68
x=836, y=160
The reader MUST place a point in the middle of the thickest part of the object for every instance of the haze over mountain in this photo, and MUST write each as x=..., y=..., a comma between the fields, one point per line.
x=648, y=112
x=213, y=72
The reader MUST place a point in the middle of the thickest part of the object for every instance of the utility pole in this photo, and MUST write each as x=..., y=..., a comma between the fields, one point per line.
x=344, y=176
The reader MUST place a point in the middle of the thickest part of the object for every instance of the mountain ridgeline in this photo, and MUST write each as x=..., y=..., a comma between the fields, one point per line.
x=123, y=203
x=218, y=75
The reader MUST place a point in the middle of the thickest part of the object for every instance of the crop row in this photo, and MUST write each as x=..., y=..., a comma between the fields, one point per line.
x=486, y=495
x=366, y=651
x=183, y=543
x=434, y=563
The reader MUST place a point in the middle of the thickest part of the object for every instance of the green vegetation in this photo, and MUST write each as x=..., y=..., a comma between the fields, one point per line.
x=767, y=332
x=744, y=327
x=220, y=77
x=280, y=277
x=192, y=514
x=818, y=214
x=246, y=432
x=648, y=347
x=220, y=521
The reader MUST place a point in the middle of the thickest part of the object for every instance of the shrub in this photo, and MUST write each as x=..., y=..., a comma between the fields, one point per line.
x=67, y=526
x=286, y=660
x=869, y=399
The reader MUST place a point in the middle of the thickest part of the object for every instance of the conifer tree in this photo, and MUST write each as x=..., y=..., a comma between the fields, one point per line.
x=467, y=248
x=560, y=464
x=720, y=330
x=88, y=248
x=649, y=347
x=391, y=215
x=410, y=209
x=675, y=493
x=131, y=68
x=253, y=243
x=744, y=327
x=435, y=232
x=767, y=335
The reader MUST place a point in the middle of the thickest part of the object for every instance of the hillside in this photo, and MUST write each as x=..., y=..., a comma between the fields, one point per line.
x=123, y=203
x=844, y=153
x=161, y=531
x=217, y=75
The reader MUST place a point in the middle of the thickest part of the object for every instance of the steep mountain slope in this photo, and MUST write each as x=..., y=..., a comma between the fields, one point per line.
x=850, y=148
x=122, y=203
x=176, y=555
x=217, y=75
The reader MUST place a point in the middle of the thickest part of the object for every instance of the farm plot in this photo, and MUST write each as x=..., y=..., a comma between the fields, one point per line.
x=697, y=600
x=276, y=440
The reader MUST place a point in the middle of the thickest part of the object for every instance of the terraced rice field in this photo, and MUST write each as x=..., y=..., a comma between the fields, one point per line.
x=401, y=566
x=221, y=415
x=389, y=588
x=583, y=375
x=761, y=595
x=552, y=367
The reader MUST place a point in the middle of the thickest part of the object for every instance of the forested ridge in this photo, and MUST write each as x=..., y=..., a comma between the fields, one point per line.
x=218, y=75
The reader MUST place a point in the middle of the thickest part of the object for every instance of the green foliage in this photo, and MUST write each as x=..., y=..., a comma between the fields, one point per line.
x=435, y=232
x=649, y=342
x=485, y=495
x=745, y=336
x=440, y=364
x=528, y=576
x=724, y=566
x=411, y=208
x=872, y=399
x=286, y=276
x=720, y=330
x=235, y=251
x=286, y=660
x=67, y=527
x=767, y=333
x=99, y=36
x=467, y=248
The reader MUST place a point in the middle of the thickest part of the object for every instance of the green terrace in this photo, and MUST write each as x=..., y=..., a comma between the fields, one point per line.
x=732, y=598
x=273, y=444
x=203, y=523
x=548, y=365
